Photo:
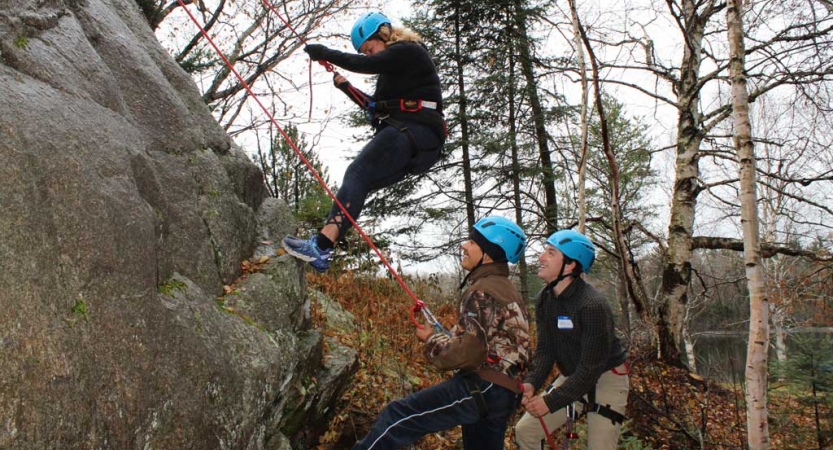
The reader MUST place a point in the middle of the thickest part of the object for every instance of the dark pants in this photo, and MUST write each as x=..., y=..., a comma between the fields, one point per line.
x=383, y=162
x=441, y=407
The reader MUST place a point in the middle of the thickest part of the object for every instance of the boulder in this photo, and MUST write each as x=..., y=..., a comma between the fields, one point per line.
x=124, y=211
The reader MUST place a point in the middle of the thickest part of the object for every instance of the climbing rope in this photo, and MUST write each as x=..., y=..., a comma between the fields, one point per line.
x=419, y=305
x=357, y=95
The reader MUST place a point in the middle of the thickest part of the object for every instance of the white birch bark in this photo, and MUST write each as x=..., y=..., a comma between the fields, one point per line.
x=582, y=171
x=756, y=354
x=677, y=262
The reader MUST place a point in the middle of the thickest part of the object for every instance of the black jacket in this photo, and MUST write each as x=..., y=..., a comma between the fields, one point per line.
x=405, y=71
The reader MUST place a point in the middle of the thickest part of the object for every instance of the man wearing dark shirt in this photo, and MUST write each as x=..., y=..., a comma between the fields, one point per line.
x=576, y=333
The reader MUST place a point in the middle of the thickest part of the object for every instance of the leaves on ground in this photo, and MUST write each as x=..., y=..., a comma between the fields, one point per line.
x=669, y=407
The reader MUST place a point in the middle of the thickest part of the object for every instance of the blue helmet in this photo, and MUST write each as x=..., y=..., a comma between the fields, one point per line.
x=367, y=25
x=576, y=246
x=503, y=233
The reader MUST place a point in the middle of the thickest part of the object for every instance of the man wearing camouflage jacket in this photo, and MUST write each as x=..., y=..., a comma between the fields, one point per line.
x=488, y=348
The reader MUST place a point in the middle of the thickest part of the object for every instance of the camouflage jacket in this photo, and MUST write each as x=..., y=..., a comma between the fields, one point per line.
x=492, y=329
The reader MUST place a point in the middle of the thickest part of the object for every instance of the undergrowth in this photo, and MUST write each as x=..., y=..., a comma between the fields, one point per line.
x=668, y=407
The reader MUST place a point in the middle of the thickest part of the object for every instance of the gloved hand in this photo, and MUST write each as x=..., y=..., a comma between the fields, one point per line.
x=316, y=51
x=339, y=81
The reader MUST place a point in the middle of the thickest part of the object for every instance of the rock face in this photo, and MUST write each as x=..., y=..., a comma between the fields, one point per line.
x=124, y=209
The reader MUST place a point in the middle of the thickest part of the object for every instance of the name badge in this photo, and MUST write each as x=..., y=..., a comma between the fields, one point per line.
x=564, y=323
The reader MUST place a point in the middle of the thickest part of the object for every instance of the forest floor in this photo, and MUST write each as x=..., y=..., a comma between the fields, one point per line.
x=668, y=407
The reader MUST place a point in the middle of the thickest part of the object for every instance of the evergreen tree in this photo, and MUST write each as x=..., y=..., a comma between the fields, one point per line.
x=288, y=178
x=810, y=367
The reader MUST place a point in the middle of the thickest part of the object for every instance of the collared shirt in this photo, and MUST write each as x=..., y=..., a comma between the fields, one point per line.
x=575, y=331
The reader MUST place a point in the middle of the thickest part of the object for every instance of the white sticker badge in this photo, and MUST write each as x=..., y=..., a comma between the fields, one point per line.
x=564, y=323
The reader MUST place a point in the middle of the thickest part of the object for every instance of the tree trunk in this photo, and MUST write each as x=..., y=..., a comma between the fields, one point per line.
x=688, y=342
x=582, y=169
x=625, y=305
x=516, y=166
x=528, y=71
x=464, y=124
x=756, y=353
x=777, y=318
x=676, y=273
x=635, y=288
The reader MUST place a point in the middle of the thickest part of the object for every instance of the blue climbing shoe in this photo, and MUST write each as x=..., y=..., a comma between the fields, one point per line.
x=308, y=251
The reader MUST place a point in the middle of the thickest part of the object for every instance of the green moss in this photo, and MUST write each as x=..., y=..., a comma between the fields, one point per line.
x=21, y=42
x=80, y=309
x=169, y=287
x=198, y=320
x=221, y=305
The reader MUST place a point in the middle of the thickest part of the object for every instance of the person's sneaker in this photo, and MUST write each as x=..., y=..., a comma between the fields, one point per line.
x=308, y=251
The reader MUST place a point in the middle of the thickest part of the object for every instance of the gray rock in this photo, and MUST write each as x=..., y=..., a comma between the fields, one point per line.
x=124, y=209
x=337, y=317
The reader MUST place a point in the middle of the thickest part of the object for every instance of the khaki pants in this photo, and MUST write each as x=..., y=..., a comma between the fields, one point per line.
x=602, y=434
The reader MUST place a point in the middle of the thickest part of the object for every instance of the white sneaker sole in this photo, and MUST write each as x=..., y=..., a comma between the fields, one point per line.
x=297, y=255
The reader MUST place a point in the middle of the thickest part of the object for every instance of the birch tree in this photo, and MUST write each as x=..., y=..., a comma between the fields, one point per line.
x=758, y=343
x=582, y=67
x=789, y=56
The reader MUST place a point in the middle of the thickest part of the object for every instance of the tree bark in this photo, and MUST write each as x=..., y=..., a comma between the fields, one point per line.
x=538, y=115
x=756, y=353
x=677, y=262
x=582, y=170
x=464, y=123
x=780, y=336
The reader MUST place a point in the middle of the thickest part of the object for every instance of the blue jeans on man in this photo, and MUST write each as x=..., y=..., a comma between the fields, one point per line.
x=443, y=406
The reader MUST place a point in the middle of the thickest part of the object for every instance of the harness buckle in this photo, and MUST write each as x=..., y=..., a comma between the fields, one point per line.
x=572, y=412
x=410, y=105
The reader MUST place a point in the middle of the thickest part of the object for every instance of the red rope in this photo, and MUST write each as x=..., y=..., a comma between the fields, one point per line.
x=550, y=441
x=298, y=152
x=327, y=65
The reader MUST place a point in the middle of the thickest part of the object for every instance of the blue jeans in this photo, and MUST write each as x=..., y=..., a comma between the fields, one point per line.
x=387, y=159
x=441, y=407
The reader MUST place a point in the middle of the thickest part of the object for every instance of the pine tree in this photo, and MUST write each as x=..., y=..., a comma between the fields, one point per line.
x=288, y=178
x=810, y=368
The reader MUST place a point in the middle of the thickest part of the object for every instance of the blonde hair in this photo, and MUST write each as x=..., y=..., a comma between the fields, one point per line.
x=391, y=35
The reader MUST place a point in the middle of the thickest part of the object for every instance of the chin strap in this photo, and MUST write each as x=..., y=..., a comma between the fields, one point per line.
x=466, y=278
x=562, y=276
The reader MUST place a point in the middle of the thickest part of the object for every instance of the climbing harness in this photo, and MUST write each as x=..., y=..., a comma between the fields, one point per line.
x=470, y=380
x=572, y=416
x=590, y=406
x=420, y=305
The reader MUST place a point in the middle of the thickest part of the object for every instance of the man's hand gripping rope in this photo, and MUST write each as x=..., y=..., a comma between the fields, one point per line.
x=419, y=306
